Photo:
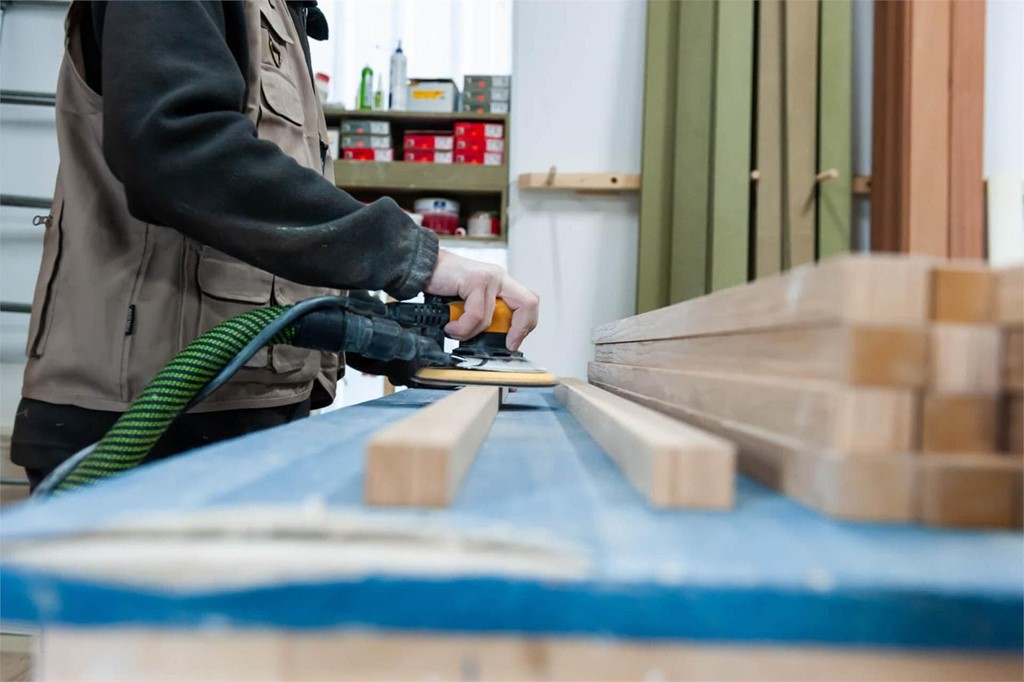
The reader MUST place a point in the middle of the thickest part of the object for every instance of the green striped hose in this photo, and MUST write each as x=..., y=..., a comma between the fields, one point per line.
x=135, y=433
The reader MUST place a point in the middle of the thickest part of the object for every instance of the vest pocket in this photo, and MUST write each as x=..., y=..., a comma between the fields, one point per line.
x=228, y=288
x=280, y=96
x=46, y=283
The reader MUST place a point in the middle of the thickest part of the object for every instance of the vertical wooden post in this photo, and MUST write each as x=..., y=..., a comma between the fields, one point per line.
x=966, y=130
x=927, y=191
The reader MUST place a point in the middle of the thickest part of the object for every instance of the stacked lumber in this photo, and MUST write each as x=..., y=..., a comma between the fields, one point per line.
x=865, y=387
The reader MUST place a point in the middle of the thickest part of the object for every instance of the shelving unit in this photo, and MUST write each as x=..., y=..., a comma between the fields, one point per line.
x=475, y=187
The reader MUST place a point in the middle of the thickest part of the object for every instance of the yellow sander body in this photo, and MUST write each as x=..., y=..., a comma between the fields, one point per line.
x=485, y=360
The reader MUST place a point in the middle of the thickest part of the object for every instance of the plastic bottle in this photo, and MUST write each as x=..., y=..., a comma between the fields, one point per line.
x=366, y=88
x=397, y=81
x=378, y=94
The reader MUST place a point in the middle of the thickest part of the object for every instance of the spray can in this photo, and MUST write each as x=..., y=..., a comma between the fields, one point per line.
x=397, y=80
x=366, y=88
x=378, y=94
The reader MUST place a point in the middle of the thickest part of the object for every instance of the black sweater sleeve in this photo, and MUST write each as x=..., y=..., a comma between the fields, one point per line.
x=174, y=134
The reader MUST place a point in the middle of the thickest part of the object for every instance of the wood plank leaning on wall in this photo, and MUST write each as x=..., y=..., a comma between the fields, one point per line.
x=835, y=123
x=694, y=211
x=927, y=190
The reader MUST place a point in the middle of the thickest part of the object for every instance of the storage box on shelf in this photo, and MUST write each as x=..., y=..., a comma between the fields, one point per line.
x=421, y=162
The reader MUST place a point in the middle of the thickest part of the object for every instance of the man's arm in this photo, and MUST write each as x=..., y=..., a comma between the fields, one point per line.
x=174, y=134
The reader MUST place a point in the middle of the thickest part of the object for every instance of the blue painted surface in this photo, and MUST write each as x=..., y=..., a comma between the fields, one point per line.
x=768, y=571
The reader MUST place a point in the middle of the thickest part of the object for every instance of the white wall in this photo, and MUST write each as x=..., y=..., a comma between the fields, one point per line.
x=1004, y=89
x=577, y=103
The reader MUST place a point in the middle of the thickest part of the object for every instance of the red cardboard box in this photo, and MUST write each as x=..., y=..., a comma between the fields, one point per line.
x=364, y=154
x=429, y=141
x=483, y=158
x=475, y=129
x=427, y=156
x=480, y=144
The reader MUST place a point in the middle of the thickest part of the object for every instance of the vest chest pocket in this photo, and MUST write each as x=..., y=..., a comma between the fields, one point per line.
x=229, y=287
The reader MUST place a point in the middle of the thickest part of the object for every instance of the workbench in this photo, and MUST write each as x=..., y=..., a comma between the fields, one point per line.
x=258, y=555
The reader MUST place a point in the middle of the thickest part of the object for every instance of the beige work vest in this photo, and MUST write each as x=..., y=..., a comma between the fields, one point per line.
x=117, y=298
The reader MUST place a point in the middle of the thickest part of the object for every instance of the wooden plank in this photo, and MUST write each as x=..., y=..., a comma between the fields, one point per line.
x=1009, y=295
x=862, y=487
x=800, y=53
x=1012, y=364
x=654, y=245
x=853, y=420
x=729, y=229
x=421, y=460
x=695, y=95
x=835, y=113
x=965, y=359
x=1013, y=423
x=966, y=130
x=18, y=654
x=911, y=128
x=879, y=290
x=963, y=292
x=890, y=124
x=768, y=188
x=116, y=654
x=970, y=490
x=581, y=182
x=959, y=423
x=670, y=463
x=927, y=229
x=860, y=355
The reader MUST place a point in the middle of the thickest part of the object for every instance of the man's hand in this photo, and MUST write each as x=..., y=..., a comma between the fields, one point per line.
x=479, y=284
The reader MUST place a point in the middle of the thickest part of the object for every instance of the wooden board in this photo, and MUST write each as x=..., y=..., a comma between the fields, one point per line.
x=654, y=245
x=729, y=227
x=123, y=654
x=835, y=112
x=889, y=124
x=1013, y=423
x=800, y=54
x=822, y=414
x=1012, y=365
x=879, y=290
x=581, y=182
x=859, y=355
x=1009, y=295
x=421, y=460
x=959, y=423
x=970, y=490
x=670, y=463
x=694, y=110
x=875, y=488
x=963, y=292
x=768, y=188
x=965, y=359
x=927, y=229
x=911, y=128
x=966, y=130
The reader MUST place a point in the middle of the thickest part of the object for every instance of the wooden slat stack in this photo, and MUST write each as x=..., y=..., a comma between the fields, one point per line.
x=865, y=387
